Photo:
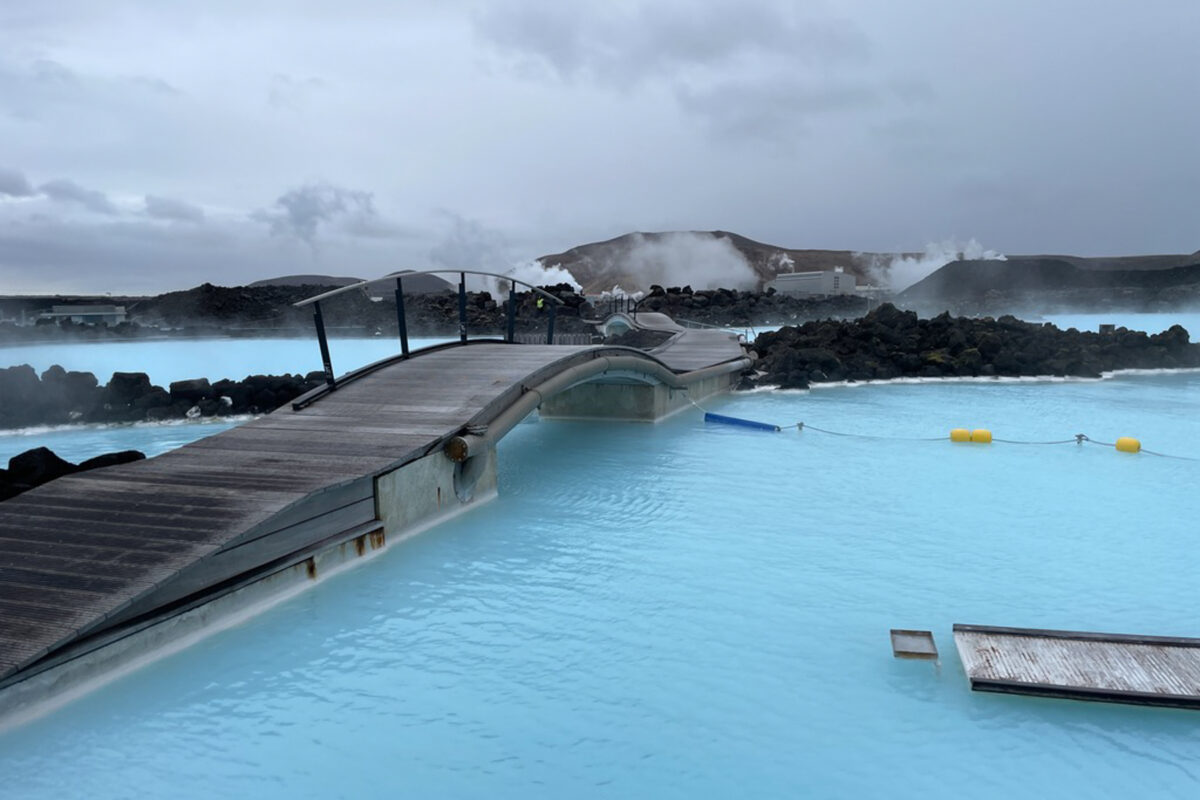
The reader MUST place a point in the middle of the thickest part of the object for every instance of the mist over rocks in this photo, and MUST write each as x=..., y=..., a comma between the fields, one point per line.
x=889, y=343
x=732, y=307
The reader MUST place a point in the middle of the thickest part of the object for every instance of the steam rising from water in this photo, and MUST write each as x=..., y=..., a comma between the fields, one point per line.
x=903, y=271
x=534, y=272
x=468, y=244
x=685, y=258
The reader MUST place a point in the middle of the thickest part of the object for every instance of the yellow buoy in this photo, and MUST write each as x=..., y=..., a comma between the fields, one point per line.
x=1128, y=444
x=960, y=435
x=981, y=435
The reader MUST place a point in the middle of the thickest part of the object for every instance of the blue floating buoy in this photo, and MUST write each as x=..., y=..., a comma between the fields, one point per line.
x=745, y=423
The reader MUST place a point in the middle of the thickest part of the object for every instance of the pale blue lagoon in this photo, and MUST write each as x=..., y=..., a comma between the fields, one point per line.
x=1151, y=323
x=170, y=360
x=690, y=610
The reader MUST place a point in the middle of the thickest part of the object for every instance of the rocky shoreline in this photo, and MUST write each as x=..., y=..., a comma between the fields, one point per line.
x=889, y=343
x=733, y=308
x=59, y=397
x=42, y=465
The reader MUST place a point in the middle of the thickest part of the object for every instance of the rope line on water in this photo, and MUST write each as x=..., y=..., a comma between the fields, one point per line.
x=1078, y=439
x=1056, y=441
x=804, y=426
x=1082, y=438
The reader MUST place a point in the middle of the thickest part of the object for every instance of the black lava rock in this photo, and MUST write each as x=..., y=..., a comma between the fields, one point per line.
x=889, y=343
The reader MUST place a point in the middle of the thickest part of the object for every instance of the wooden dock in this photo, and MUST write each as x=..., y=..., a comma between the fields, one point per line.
x=90, y=557
x=1107, y=667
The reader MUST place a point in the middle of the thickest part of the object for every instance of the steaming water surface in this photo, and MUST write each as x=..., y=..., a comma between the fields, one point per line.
x=682, y=610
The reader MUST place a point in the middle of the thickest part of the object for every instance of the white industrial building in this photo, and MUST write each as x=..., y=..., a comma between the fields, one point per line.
x=821, y=282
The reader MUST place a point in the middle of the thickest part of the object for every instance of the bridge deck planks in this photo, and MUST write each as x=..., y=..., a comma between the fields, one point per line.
x=697, y=349
x=1143, y=670
x=75, y=551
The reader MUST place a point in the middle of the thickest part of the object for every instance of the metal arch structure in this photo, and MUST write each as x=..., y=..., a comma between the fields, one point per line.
x=407, y=273
x=402, y=325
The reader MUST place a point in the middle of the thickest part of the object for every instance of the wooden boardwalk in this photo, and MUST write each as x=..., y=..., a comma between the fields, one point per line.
x=89, y=552
x=1116, y=668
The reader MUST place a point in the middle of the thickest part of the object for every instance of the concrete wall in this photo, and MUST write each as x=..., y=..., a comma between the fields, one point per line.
x=432, y=489
x=629, y=400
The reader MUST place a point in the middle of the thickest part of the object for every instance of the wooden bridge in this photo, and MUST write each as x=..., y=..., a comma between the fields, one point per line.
x=105, y=568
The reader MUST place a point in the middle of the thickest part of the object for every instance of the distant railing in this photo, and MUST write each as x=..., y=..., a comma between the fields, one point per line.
x=559, y=338
x=745, y=331
x=617, y=304
x=398, y=277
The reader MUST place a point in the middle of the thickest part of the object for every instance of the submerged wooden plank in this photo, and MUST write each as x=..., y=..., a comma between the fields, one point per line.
x=1145, y=670
x=913, y=644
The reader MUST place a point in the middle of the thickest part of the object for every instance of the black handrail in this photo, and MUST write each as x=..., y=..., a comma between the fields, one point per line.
x=401, y=322
x=408, y=273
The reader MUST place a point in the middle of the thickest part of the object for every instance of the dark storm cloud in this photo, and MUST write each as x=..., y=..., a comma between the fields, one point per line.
x=67, y=191
x=627, y=43
x=756, y=69
x=300, y=212
x=172, y=209
x=14, y=183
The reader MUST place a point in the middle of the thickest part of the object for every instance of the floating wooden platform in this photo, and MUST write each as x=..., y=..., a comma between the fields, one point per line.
x=914, y=644
x=1077, y=665
x=89, y=556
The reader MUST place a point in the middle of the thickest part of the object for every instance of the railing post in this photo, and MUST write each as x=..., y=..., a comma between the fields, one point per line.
x=400, y=321
x=462, y=306
x=319, y=321
x=512, y=313
x=550, y=325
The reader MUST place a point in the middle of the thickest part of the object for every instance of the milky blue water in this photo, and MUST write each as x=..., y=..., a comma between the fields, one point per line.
x=691, y=610
x=170, y=360
x=1151, y=323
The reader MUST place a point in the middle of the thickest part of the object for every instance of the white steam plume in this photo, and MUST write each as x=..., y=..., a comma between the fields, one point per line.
x=695, y=259
x=903, y=271
x=532, y=271
x=468, y=244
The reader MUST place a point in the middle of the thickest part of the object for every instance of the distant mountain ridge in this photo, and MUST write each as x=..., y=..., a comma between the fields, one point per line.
x=306, y=280
x=1029, y=275
x=598, y=266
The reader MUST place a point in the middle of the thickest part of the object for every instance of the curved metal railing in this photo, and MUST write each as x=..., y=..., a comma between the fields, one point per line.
x=408, y=273
x=398, y=277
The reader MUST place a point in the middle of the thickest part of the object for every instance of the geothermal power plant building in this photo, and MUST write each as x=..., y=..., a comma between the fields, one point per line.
x=821, y=282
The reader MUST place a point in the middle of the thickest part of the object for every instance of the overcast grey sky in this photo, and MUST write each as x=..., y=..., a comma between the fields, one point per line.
x=147, y=146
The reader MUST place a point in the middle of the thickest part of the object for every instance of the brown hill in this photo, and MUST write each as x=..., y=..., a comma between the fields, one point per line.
x=305, y=280
x=623, y=260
